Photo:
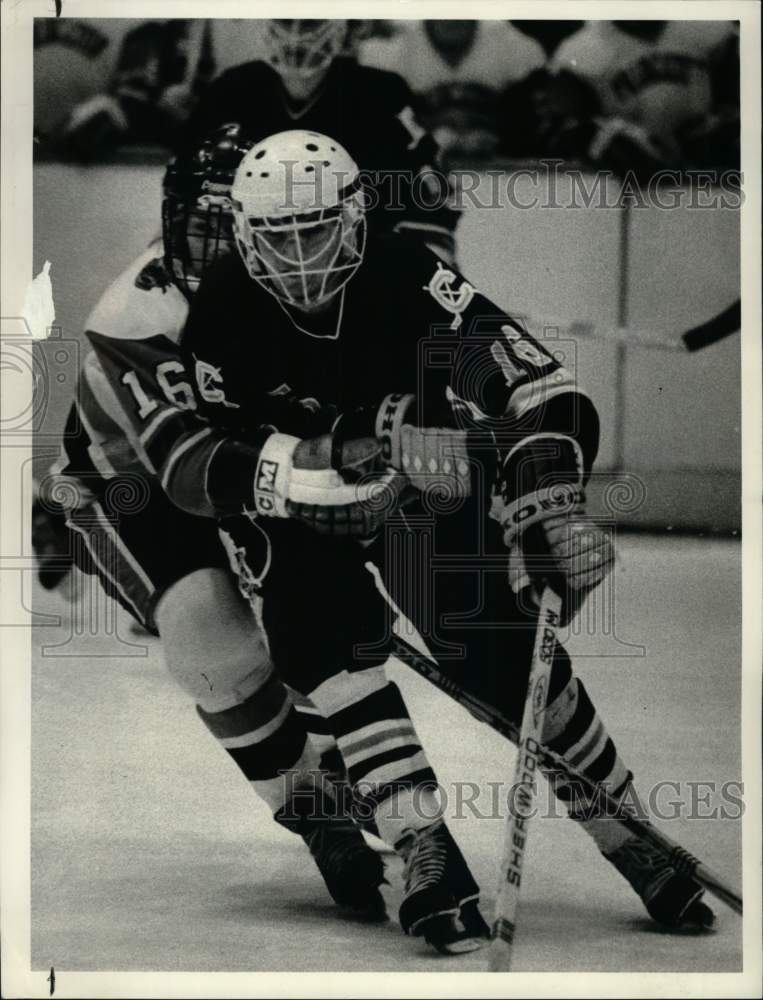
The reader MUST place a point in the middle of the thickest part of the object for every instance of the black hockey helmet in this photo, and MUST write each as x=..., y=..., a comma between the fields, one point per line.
x=196, y=208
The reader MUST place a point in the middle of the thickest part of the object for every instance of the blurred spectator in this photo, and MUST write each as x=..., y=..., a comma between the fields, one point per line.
x=634, y=94
x=72, y=61
x=89, y=100
x=638, y=95
x=161, y=69
x=462, y=74
x=715, y=141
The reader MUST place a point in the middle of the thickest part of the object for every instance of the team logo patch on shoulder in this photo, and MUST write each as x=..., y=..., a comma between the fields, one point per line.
x=153, y=275
x=455, y=300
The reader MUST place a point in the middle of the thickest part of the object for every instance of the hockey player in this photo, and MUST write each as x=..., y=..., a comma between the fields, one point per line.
x=196, y=230
x=305, y=355
x=168, y=569
x=307, y=637
x=311, y=80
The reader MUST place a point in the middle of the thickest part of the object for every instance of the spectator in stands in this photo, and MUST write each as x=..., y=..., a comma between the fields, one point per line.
x=160, y=75
x=462, y=74
x=634, y=94
x=715, y=142
x=161, y=69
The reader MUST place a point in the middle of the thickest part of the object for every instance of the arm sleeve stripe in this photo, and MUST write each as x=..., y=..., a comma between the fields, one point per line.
x=122, y=548
x=526, y=397
x=180, y=451
x=100, y=462
x=548, y=436
x=88, y=538
x=148, y=432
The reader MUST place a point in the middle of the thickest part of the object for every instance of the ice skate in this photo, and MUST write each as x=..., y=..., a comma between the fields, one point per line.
x=336, y=772
x=441, y=896
x=351, y=870
x=672, y=900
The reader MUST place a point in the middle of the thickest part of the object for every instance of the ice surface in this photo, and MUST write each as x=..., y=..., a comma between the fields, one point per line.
x=150, y=851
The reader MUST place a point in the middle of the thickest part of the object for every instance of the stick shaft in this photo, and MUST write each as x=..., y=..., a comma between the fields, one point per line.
x=523, y=788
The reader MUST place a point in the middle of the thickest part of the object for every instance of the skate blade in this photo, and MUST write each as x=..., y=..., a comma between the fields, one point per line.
x=462, y=946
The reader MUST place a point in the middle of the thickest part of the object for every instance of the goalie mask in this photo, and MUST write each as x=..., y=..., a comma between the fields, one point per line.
x=299, y=216
x=197, y=224
x=301, y=51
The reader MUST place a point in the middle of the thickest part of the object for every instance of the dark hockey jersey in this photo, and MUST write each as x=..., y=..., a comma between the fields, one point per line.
x=404, y=323
x=368, y=111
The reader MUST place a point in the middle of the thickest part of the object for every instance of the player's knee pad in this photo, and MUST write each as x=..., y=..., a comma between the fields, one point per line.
x=213, y=646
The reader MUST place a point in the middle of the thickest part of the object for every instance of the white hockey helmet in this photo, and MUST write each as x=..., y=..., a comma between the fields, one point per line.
x=301, y=51
x=299, y=217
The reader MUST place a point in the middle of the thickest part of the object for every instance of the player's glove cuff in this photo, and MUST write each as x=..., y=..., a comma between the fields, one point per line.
x=272, y=475
x=436, y=459
x=390, y=418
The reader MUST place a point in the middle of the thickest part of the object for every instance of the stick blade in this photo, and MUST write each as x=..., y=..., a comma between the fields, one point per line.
x=722, y=325
x=501, y=949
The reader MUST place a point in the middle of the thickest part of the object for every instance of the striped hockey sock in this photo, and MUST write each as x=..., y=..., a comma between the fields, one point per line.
x=317, y=727
x=392, y=780
x=267, y=739
x=574, y=730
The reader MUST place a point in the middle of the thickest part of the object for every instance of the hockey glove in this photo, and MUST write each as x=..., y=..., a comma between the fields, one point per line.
x=540, y=505
x=434, y=459
x=294, y=479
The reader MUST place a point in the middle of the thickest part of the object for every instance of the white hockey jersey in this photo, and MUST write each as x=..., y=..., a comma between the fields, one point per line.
x=500, y=54
x=661, y=83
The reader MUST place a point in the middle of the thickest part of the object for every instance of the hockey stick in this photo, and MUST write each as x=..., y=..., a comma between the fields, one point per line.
x=679, y=858
x=725, y=323
x=548, y=330
x=523, y=788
